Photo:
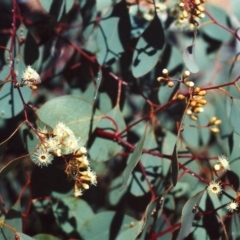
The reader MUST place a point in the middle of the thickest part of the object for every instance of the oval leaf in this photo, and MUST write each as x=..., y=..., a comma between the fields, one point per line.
x=188, y=214
x=174, y=165
x=113, y=34
x=103, y=149
x=188, y=59
x=73, y=111
x=148, y=48
x=133, y=159
x=235, y=115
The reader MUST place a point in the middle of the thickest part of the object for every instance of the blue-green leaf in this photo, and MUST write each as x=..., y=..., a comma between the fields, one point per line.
x=188, y=213
x=213, y=30
x=175, y=165
x=106, y=225
x=22, y=236
x=113, y=34
x=10, y=101
x=45, y=237
x=103, y=149
x=14, y=220
x=133, y=159
x=188, y=58
x=235, y=115
x=148, y=48
x=71, y=213
x=73, y=111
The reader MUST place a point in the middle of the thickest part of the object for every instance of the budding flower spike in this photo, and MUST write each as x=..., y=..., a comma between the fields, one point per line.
x=214, y=188
x=30, y=78
x=232, y=206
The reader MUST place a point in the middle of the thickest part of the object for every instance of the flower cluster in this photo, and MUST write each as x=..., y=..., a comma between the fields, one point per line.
x=188, y=12
x=30, y=78
x=196, y=103
x=62, y=142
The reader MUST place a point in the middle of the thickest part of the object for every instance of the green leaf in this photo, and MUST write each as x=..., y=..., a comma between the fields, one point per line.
x=73, y=111
x=22, y=236
x=153, y=207
x=68, y=5
x=14, y=220
x=213, y=30
x=71, y=213
x=113, y=34
x=235, y=115
x=103, y=149
x=133, y=159
x=131, y=233
x=10, y=101
x=175, y=165
x=235, y=223
x=152, y=165
x=45, y=237
x=188, y=58
x=106, y=225
x=115, y=192
x=188, y=213
x=148, y=48
x=234, y=8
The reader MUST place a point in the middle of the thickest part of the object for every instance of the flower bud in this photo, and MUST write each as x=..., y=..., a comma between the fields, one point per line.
x=170, y=84
x=215, y=130
x=189, y=84
x=180, y=96
x=186, y=74
x=193, y=117
x=165, y=72
x=202, y=93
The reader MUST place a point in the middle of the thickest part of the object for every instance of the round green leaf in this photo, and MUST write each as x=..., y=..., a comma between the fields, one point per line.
x=104, y=225
x=103, y=149
x=73, y=111
x=213, y=30
x=148, y=48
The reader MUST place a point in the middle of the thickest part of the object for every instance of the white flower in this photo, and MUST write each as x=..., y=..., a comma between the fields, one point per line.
x=214, y=187
x=77, y=191
x=52, y=144
x=70, y=144
x=42, y=158
x=223, y=161
x=62, y=131
x=92, y=176
x=232, y=206
x=30, y=77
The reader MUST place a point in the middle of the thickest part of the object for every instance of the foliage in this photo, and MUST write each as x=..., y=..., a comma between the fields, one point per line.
x=119, y=119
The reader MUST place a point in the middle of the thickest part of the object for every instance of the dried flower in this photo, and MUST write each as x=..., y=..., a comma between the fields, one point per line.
x=232, y=206
x=42, y=158
x=214, y=187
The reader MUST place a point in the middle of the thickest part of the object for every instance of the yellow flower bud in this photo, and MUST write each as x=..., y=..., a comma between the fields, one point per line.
x=215, y=130
x=160, y=79
x=180, y=96
x=189, y=84
x=202, y=93
x=165, y=72
x=193, y=117
x=218, y=122
x=186, y=74
x=170, y=84
x=196, y=90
